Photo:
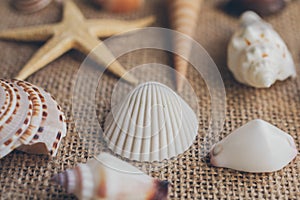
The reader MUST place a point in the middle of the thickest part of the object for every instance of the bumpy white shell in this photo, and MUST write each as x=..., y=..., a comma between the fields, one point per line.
x=257, y=56
x=151, y=124
x=255, y=147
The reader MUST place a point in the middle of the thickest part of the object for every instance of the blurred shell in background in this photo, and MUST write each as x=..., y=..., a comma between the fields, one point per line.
x=30, y=6
x=262, y=7
x=119, y=6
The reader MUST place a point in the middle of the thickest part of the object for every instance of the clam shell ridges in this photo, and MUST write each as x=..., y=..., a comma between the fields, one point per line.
x=152, y=124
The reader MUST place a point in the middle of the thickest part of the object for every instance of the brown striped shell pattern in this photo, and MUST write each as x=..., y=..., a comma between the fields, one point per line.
x=30, y=119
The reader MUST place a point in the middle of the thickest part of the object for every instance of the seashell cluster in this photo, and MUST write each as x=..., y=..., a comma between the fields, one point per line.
x=153, y=123
x=257, y=56
x=30, y=119
x=107, y=177
x=184, y=17
x=120, y=6
x=30, y=6
x=255, y=147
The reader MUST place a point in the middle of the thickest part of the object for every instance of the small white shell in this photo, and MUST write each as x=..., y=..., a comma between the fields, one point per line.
x=255, y=147
x=257, y=56
x=153, y=123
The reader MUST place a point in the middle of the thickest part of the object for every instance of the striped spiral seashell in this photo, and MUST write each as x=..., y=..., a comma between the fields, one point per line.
x=184, y=17
x=107, y=177
x=257, y=56
x=30, y=119
x=30, y=6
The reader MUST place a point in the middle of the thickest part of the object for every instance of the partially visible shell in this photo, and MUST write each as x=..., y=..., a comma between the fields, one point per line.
x=184, y=18
x=51, y=129
x=30, y=119
x=30, y=6
x=120, y=6
x=262, y=7
x=107, y=177
x=36, y=116
x=255, y=147
x=4, y=100
x=257, y=56
x=153, y=123
x=15, y=124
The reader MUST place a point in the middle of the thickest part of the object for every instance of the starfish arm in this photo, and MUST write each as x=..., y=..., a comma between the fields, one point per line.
x=108, y=27
x=54, y=48
x=71, y=11
x=100, y=53
x=38, y=33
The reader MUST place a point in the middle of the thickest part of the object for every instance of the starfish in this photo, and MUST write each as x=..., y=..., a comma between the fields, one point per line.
x=73, y=32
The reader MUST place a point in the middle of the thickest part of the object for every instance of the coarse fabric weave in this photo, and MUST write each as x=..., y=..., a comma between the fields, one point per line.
x=25, y=176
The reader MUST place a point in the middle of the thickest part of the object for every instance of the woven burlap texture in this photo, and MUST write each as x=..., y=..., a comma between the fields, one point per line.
x=28, y=176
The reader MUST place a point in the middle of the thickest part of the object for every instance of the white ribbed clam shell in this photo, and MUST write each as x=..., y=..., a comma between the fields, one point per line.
x=257, y=56
x=255, y=147
x=153, y=123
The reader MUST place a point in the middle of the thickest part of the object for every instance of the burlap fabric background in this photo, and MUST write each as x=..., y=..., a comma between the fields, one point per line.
x=27, y=176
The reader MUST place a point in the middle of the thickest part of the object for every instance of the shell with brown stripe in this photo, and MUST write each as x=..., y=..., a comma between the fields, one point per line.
x=14, y=125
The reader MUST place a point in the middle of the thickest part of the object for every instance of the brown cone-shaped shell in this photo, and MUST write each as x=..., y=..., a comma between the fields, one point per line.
x=107, y=177
x=30, y=6
x=184, y=17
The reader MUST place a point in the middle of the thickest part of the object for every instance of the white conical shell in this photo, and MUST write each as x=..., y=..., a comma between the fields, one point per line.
x=257, y=56
x=107, y=177
x=255, y=147
x=151, y=124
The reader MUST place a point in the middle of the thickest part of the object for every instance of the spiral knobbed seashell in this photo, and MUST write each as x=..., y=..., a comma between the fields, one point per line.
x=184, y=17
x=107, y=177
x=30, y=6
x=153, y=123
x=30, y=119
x=257, y=56
x=255, y=147
x=119, y=5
